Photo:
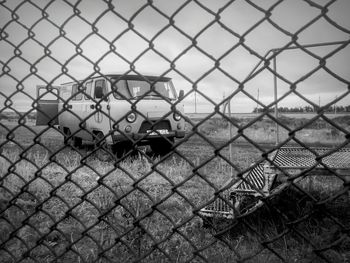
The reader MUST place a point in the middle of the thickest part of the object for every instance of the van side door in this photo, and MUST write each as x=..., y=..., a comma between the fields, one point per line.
x=98, y=108
x=88, y=100
x=47, y=110
x=74, y=111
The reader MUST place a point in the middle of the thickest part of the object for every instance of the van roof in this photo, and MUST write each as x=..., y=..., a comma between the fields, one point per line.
x=125, y=76
x=138, y=77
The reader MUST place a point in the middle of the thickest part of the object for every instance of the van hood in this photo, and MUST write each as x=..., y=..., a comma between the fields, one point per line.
x=148, y=108
x=155, y=108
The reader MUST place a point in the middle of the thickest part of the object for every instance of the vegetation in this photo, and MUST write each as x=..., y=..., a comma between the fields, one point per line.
x=70, y=212
x=305, y=109
x=77, y=208
x=13, y=116
x=317, y=132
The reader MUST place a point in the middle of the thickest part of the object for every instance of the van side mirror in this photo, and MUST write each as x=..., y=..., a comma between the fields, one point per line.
x=99, y=93
x=181, y=94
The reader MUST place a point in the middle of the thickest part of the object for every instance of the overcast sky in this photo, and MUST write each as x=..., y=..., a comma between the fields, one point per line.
x=212, y=44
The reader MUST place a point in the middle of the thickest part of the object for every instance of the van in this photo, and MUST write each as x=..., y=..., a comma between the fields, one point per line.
x=114, y=110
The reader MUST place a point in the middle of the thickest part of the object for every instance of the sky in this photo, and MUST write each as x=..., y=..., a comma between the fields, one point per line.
x=63, y=45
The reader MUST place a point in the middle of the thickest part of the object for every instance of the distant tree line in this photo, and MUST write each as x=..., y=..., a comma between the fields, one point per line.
x=305, y=109
x=14, y=116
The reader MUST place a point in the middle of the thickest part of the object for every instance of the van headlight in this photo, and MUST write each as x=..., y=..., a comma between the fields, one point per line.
x=177, y=116
x=131, y=117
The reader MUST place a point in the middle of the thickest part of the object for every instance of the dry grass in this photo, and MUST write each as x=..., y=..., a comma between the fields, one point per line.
x=69, y=205
x=108, y=214
x=264, y=131
x=98, y=211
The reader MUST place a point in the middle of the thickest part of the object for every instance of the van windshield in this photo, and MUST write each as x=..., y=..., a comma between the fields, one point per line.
x=134, y=89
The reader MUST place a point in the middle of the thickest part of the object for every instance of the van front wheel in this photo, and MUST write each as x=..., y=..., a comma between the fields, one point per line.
x=162, y=146
x=123, y=148
x=102, y=149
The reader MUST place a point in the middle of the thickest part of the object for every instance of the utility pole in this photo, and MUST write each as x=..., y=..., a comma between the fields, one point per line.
x=227, y=105
x=319, y=102
x=195, y=101
x=257, y=103
x=231, y=135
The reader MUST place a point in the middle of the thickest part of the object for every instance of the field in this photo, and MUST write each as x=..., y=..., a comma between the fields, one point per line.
x=64, y=203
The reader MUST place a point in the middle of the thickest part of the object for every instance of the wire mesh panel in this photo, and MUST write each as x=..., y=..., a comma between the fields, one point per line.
x=186, y=131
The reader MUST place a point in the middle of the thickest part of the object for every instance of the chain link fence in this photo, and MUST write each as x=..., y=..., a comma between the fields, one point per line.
x=119, y=172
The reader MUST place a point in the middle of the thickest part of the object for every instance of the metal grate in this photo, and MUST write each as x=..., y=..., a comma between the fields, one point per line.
x=252, y=181
x=299, y=157
x=259, y=183
x=221, y=207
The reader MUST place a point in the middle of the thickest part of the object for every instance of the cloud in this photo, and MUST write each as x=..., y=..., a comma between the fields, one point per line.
x=194, y=47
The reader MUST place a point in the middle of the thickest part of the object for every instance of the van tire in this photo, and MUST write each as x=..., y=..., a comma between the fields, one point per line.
x=121, y=149
x=77, y=142
x=102, y=150
x=162, y=146
x=66, y=134
x=73, y=141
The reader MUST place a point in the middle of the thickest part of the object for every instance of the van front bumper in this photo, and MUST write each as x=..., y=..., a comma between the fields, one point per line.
x=146, y=136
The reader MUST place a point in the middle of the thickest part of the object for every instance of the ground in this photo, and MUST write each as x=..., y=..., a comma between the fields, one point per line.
x=68, y=204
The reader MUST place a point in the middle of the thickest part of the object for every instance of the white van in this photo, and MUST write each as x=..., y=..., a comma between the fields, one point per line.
x=117, y=110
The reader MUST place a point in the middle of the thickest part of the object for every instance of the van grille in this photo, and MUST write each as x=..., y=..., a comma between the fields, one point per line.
x=154, y=125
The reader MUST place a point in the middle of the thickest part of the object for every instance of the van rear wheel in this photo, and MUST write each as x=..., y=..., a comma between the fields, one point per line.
x=72, y=141
x=162, y=146
x=103, y=151
x=77, y=142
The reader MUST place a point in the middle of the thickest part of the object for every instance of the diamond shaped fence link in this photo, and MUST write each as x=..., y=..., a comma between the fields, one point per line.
x=142, y=195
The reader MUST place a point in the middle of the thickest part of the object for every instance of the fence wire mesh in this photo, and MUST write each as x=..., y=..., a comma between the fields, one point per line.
x=119, y=172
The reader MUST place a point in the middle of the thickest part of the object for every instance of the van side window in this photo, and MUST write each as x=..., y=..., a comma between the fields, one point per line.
x=88, y=87
x=100, y=83
x=121, y=90
x=75, y=93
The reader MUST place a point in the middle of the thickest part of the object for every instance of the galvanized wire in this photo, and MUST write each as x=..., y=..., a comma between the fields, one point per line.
x=122, y=230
